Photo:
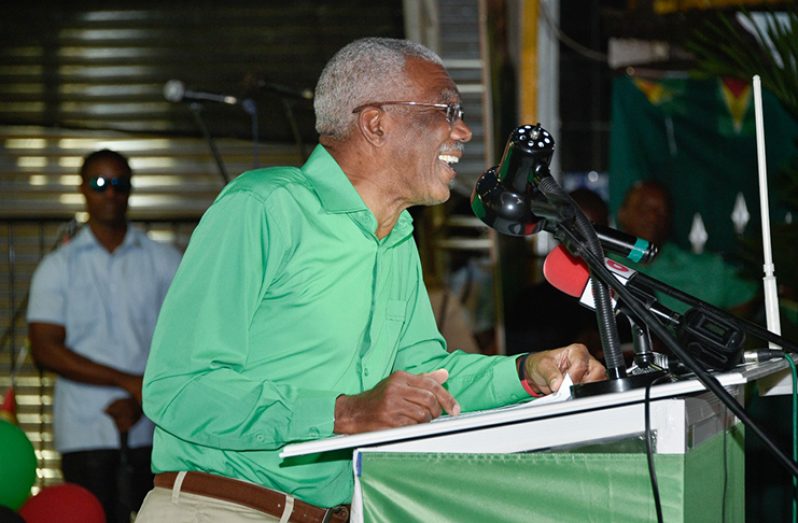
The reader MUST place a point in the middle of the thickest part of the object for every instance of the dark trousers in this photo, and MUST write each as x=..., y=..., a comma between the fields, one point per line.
x=120, y=481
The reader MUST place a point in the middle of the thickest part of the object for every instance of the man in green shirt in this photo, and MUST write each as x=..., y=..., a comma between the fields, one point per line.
x=647, y=212
x=300, y=312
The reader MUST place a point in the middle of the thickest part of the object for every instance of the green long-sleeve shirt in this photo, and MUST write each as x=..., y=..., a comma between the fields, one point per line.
x=286, y=299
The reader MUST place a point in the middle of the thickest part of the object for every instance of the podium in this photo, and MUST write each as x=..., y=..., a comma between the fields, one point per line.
x=576, y=460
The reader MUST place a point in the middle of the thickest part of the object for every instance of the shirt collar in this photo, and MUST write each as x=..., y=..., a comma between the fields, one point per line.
x=85, y=239
x=338, y=195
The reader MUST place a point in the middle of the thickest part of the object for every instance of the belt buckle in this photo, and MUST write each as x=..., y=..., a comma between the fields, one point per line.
x=328, y=513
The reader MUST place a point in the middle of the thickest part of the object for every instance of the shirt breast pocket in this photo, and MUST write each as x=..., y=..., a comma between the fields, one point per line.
x=391, y=330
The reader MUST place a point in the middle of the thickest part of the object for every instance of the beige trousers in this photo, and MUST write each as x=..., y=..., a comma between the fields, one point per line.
x=172, y=506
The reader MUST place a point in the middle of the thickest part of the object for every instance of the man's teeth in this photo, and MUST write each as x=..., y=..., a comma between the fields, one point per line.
x=448, y=158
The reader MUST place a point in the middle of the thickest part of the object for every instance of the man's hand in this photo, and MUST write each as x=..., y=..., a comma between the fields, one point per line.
x=132, y=383
x=125, y=412
x=400, y=399
x=545, y=370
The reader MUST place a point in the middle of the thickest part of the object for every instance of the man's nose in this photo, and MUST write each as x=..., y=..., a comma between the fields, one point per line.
x=461, y=131
x=114, y=192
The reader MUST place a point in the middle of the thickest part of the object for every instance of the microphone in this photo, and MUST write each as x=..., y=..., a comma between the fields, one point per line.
x=510, y=197
x=632, y=248
x=570, y=275
x=506, y=197
x=713, y=340
x=175, y=91
x=284, y=90
x=519, y=197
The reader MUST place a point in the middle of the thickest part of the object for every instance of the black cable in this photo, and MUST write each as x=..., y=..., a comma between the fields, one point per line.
x=569, y=42
x=652, y=473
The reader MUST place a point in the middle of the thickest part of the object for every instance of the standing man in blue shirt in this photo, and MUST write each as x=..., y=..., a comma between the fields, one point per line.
x=92, y=310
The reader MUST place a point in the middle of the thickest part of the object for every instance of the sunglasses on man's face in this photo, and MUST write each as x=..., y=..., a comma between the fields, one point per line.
x=101, y=183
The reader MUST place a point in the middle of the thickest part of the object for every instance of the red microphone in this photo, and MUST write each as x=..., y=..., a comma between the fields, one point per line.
x=566, y=272
x=569, y=274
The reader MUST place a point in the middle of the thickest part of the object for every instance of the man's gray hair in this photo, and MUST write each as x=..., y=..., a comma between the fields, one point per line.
x=361, y=72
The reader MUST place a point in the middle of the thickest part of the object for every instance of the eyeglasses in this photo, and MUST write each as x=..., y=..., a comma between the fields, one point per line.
x=101, y=183
x=453, y=111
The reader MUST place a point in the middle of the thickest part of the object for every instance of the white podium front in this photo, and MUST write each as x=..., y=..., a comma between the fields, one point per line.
x=684, y=417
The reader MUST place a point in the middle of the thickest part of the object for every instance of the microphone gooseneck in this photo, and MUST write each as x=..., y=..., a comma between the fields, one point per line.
x=608, y=330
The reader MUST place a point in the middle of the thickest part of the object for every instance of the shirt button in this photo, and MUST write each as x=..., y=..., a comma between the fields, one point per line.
x=259, y=438
x=366, y=372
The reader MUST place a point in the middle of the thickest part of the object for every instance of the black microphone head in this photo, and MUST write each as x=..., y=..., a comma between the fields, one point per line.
x=526, y=157
x=506, y=196
x=502, y=209
x=174, y=90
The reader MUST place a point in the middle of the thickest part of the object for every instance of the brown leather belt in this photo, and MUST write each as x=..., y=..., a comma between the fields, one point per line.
x=252, y=496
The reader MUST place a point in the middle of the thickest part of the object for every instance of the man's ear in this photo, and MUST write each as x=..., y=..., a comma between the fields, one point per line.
x=371, y=124
x=83, y=187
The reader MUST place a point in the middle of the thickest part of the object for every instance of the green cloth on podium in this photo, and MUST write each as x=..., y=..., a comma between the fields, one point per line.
x=705, y=484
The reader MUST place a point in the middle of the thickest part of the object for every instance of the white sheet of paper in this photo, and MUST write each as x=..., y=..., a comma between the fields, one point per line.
x=563, y=394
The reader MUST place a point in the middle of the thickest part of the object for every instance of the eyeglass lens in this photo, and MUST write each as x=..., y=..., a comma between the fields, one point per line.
x=100, y=184
x=454, y=112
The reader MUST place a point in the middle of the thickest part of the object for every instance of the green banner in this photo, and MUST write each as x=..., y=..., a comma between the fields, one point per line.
x=706, y=484
x=698, y=137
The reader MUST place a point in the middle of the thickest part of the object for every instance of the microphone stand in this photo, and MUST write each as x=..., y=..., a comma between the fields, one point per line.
x=645, y=359
x=598, y=270
x=288, y=105
x=573, y=228
x=196, y=110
